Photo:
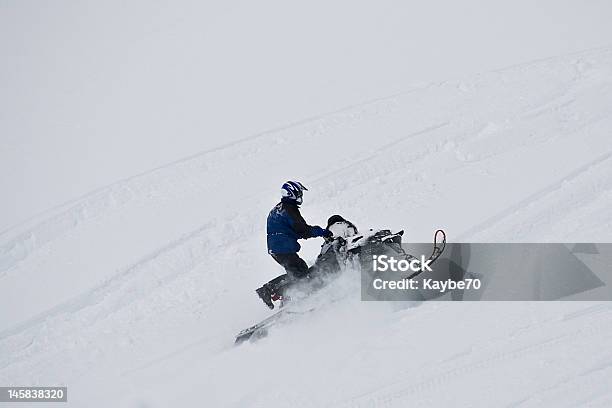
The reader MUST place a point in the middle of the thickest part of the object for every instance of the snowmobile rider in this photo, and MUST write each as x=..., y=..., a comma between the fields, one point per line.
x=284, y=227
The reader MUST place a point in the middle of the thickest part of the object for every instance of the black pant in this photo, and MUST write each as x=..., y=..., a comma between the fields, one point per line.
x=296, y=269
x=293, y=264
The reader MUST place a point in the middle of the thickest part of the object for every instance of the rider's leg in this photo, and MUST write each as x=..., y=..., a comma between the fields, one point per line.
x=295, y=266
x=296, y=269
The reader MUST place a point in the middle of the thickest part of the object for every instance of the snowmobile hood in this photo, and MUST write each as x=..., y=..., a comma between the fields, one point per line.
x=366, y=237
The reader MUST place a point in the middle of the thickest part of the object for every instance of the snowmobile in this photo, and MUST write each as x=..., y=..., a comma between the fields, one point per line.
x=347, y=248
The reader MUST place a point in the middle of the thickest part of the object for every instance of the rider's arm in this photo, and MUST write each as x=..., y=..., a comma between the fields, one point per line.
x=299, y=224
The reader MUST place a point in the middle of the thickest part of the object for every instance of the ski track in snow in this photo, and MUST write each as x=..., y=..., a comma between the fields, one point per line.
x=414, y=150
x=412, y=393
x=574, y=177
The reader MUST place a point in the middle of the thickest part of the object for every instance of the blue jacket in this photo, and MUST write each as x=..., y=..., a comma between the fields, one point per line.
x=286, y=225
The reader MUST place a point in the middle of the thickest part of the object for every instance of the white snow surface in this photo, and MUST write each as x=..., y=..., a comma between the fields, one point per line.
x=131, y=294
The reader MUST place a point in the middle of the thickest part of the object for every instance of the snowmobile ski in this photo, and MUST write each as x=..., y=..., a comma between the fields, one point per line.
x=260, y=330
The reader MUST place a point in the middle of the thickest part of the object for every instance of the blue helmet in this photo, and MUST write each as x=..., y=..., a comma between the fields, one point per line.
x=293, y=190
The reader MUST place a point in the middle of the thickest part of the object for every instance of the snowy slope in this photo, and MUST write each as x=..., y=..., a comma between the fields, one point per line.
x=140, y=286
x=96, y=91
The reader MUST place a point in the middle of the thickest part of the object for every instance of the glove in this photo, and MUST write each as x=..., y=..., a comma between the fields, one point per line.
x=320, y=232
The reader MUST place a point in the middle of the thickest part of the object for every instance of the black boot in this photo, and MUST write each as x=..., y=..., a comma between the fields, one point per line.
x=265, y=294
